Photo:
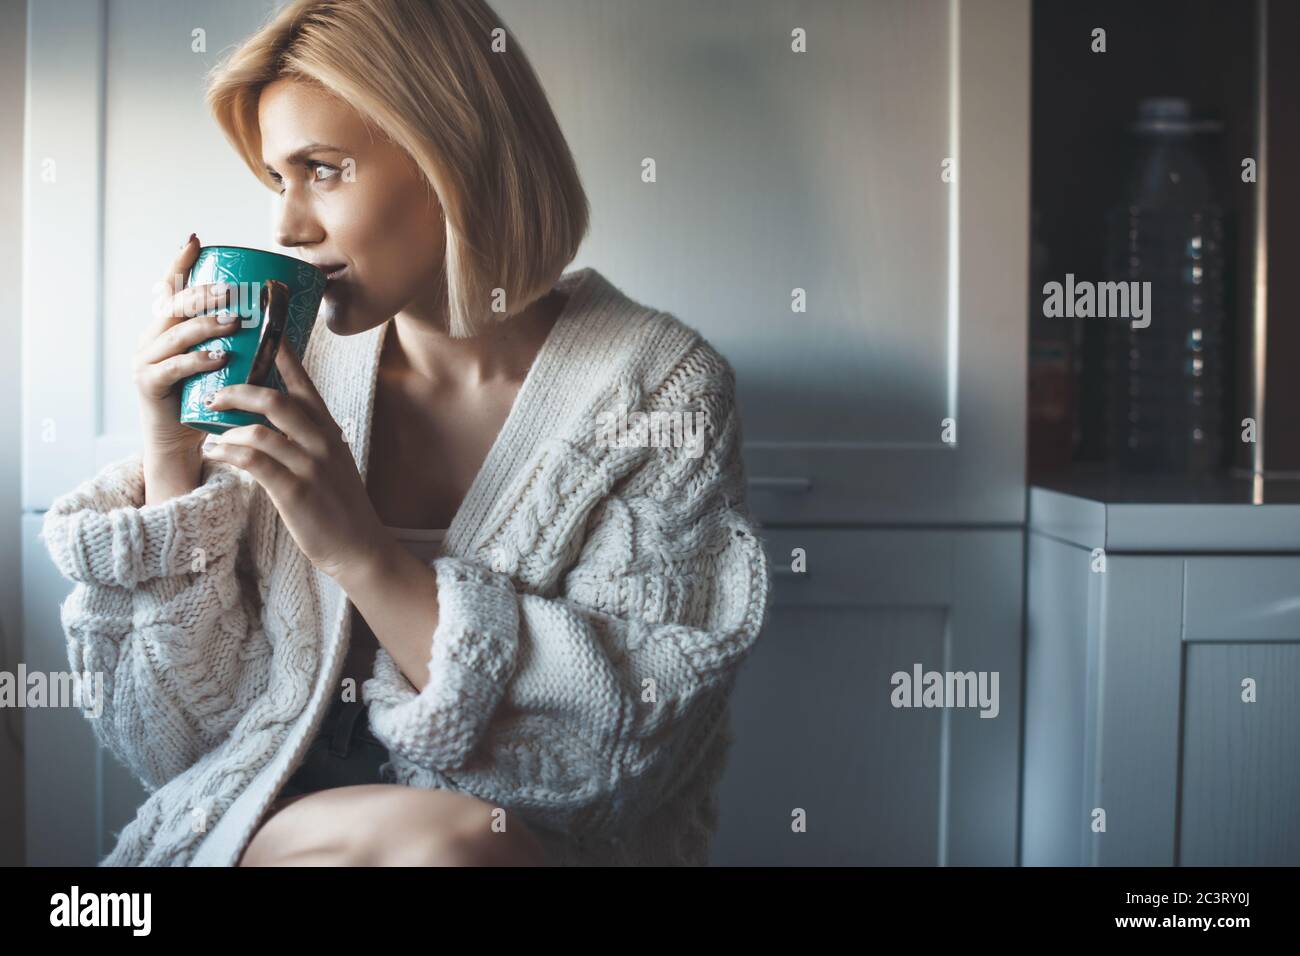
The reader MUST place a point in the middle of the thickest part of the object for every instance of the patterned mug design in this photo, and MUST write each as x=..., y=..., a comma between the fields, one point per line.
x=277, y=298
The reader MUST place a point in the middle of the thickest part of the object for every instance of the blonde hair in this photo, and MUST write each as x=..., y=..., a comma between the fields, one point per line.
x=476, y=122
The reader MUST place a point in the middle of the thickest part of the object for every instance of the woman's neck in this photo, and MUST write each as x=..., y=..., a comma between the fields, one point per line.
x=502, y=352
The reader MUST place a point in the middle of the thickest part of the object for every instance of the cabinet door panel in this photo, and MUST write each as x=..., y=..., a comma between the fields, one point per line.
x=813, y=717
x=1241, y=761
x=865, y=774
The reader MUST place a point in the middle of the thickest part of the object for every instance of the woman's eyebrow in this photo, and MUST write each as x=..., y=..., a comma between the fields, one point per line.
x=298, y=155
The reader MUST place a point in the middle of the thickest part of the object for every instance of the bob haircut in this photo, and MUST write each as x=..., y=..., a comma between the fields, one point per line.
x=448, y=83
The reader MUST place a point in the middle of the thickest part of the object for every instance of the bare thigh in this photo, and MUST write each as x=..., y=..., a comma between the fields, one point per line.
x=390, y=825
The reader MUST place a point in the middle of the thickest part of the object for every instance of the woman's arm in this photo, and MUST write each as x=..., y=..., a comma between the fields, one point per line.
x=397, y=594
x=163, y=607
x=587, y=709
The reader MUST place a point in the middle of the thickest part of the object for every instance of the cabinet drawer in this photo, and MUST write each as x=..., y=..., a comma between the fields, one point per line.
x=880, y=484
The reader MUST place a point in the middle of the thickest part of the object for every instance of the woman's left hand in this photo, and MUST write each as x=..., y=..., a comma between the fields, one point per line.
x=308, y=471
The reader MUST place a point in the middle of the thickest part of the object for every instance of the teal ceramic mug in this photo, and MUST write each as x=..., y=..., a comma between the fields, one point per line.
x=276, y=298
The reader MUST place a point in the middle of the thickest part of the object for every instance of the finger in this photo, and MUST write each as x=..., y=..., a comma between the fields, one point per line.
x=171, y=283
x=299, y=383
x=285, y=413
x=271, y=443
x=175, y=277
x=278, y=481
x=198, y=299
x=160, y=377
x=185, y=335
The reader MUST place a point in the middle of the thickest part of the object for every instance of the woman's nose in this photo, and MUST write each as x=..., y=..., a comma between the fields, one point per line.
x=295, y=223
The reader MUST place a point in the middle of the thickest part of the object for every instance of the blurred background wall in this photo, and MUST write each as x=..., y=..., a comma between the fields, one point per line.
x=13, y=63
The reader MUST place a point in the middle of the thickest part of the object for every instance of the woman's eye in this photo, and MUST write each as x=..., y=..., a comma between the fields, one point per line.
x=275, y=178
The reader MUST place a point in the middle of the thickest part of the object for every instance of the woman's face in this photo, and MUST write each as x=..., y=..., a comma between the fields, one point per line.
x=351, y=198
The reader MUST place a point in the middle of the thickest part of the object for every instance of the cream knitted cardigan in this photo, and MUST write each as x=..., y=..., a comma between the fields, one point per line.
x=595, y=603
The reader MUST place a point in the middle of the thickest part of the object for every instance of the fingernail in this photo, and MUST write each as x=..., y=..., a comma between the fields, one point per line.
x=225, y=318
x=215, y=354
x=187, y=241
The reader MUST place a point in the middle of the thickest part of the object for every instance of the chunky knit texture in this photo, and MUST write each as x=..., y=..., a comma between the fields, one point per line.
x=596, y=600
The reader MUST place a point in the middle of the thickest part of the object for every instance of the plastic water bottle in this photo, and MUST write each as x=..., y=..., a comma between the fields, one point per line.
x=1168, y=382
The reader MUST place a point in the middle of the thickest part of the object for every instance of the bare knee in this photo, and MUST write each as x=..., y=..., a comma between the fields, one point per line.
x=452, y=829
x=386, y=825
x=449, y=845
x=301, y=832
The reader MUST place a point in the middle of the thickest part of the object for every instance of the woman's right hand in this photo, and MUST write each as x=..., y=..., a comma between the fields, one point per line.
x=163, y=360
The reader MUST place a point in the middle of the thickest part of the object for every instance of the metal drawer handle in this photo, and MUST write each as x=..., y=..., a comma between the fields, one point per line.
x=787, y=485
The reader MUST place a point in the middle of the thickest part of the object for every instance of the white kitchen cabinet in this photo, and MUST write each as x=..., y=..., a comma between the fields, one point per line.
x=1162, y=675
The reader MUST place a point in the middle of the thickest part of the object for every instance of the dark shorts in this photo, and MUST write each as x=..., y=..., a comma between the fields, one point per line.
x=344, y=753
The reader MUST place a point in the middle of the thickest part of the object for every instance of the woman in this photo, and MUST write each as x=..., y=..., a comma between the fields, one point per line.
x=467, y=506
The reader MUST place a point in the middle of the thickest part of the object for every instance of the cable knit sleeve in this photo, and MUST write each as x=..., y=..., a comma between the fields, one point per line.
x=160, y=608
x=586, y=709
